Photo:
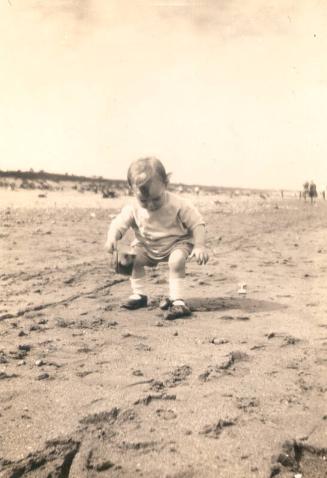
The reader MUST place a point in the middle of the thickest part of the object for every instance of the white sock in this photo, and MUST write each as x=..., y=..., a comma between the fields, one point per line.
x=176, y=288
x=178, y=302
x=137, y=287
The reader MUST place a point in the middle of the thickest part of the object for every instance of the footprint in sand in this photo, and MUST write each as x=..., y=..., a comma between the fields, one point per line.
x=176, y=377
x=7, y=376
x=54, y=460
x=215, y=430
x=151, y=397
x=290, y=340
x=216, y=371
x=166, y=414
x=96, y=464
x=143, y=347
x=247, y=404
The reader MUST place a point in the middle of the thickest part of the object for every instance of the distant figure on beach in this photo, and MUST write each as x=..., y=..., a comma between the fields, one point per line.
x=306, y=190
x=323, y=195
x=312, y=191
x=167, y=229
x=282, y=193
x=107, y=193
x=197, y=190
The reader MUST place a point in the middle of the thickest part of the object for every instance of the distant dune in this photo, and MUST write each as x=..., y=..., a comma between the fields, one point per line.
x=53, y=181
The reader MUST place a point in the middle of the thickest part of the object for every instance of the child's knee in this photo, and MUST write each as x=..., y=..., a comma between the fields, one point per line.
x=177, y=261
x=141, y=260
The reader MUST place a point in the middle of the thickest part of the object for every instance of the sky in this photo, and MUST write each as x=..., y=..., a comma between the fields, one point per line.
x=225, y=92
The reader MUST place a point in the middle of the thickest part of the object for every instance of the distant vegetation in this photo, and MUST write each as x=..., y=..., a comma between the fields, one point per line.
x=108, y=187
x=59, y=182
x=44, y=176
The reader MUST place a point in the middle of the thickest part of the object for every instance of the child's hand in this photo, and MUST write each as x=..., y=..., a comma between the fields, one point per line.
x=110, y=245
x=201, y=255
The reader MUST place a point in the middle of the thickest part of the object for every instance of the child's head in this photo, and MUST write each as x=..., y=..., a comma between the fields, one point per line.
x=148, y=180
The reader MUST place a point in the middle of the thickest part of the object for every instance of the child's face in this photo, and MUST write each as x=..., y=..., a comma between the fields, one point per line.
x=152, y=196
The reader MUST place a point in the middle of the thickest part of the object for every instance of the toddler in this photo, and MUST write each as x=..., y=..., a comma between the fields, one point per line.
x=166, y=227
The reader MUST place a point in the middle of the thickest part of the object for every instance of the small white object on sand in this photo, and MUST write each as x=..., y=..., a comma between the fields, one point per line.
x=243, y=289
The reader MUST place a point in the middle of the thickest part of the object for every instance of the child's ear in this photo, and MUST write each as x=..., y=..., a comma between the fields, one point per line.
x=168, y=176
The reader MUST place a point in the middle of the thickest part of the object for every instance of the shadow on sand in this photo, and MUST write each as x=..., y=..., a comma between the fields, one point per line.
x=207, y=304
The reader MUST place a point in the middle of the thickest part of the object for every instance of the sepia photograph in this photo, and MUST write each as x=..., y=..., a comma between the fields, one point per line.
x=163, y=253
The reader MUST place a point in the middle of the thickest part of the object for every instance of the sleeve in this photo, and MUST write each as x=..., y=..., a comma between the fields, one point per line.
x=122, y=222
x=190, y=216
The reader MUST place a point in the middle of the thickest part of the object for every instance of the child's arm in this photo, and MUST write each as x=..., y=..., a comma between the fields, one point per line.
x=194, y=222
x=118, y=227
x=112, y=237
x=199, y=250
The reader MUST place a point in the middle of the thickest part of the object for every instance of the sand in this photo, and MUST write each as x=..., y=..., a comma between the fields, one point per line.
x=88, y=389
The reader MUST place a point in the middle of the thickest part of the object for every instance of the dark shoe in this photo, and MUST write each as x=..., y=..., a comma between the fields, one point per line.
x=133, y=304
x=165, y=303
x=177, y=311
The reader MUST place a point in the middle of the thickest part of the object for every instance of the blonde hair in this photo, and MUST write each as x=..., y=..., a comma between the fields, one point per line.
x=143, y=170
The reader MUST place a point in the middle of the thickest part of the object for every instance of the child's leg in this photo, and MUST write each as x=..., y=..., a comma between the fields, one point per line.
x=138, y=298
x=138, y=273
x=177, y=261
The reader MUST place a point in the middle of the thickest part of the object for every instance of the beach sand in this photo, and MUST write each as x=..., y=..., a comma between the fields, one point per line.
x=88, y=389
